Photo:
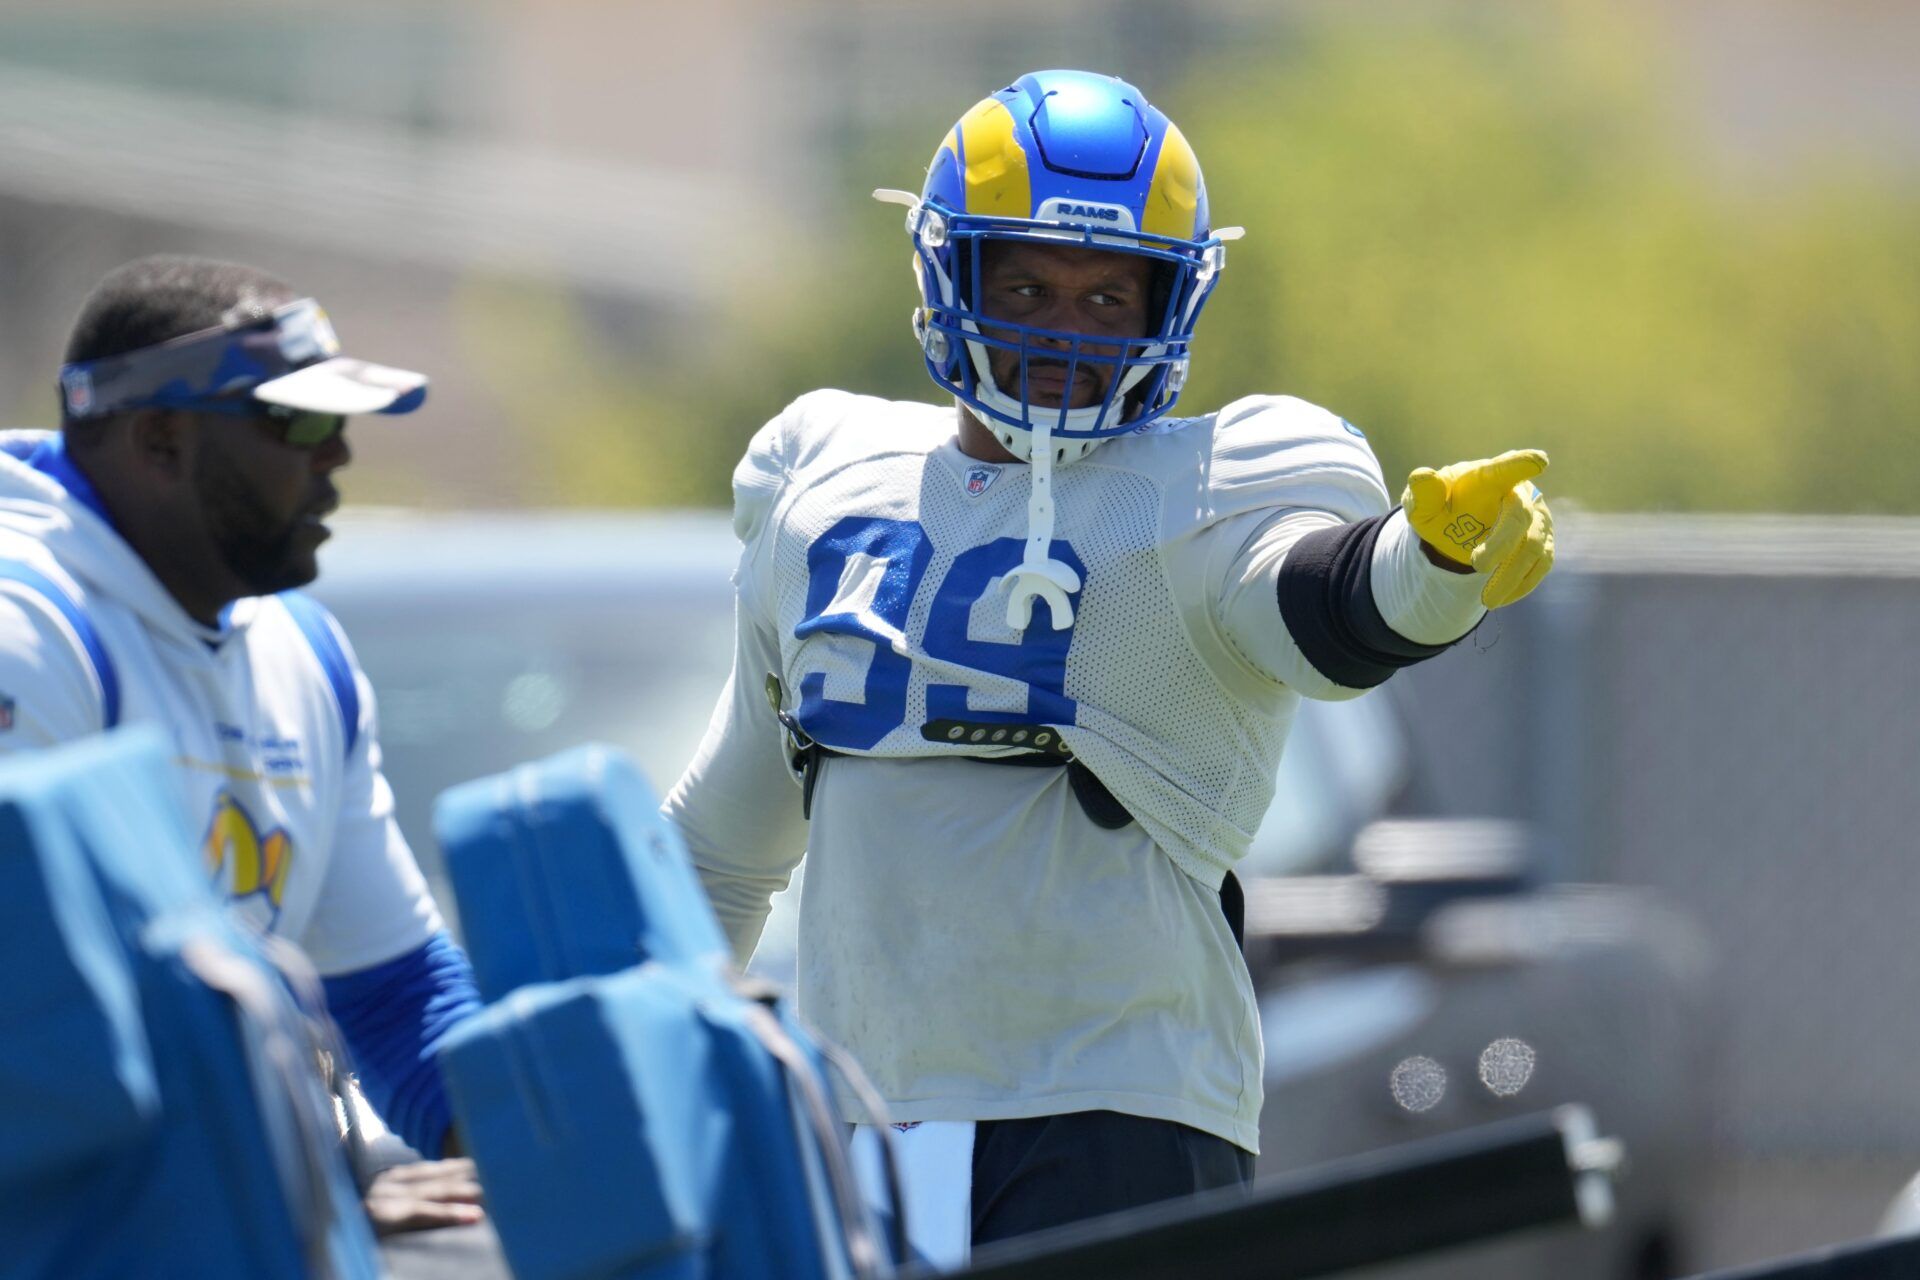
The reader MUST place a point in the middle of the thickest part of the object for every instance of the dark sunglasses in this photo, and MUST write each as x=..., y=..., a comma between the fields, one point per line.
x=301, y=428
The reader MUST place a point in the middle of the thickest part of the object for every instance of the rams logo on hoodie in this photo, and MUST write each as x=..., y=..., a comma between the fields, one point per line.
x=243, y=859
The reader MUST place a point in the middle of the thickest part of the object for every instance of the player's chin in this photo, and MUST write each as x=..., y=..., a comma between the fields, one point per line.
x=304, y=565
x=293, y=563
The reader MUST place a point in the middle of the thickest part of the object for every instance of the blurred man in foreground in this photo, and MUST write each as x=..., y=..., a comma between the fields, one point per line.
x=149, y=553
x=1033, y=665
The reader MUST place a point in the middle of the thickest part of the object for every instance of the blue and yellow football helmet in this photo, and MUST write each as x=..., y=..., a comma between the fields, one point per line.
x=1075, y=158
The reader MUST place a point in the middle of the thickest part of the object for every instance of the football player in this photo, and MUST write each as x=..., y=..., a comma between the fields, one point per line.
x=1033, y=660
x=148, y=552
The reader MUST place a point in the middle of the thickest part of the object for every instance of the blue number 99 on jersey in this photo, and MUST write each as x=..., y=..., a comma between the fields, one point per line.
x=863, y=576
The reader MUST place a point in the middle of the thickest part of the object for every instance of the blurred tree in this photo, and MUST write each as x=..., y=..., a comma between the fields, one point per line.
x=1468, y=237
x=600, y=425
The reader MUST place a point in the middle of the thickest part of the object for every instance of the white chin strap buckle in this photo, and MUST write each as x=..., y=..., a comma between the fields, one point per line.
x=1051, y=581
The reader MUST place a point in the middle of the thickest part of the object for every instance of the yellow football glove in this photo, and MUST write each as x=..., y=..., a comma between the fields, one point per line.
x=1488, y=515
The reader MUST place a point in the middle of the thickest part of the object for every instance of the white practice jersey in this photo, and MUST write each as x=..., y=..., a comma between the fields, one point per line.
x=981, y=946
x=284, y=796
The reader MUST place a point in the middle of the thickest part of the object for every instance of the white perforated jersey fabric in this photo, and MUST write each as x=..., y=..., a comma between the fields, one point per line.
x=983, y=948
x=878, y=559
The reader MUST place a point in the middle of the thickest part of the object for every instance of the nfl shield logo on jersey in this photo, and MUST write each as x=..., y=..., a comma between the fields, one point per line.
x=978, y=478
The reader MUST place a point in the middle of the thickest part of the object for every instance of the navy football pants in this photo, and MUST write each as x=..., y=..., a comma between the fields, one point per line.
x=1029, y=1175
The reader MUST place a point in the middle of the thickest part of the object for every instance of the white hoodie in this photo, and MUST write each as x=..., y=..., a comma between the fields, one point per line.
x=278, y=760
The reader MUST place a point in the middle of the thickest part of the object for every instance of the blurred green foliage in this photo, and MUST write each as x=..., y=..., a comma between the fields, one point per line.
x=1470, y=239
x=1464, y=234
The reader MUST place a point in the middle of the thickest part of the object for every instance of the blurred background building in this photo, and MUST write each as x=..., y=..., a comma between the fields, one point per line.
x=1674, y=242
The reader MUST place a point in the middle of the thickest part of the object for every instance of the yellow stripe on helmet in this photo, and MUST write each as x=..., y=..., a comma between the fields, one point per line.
x=1173, y=200
x=996, y=167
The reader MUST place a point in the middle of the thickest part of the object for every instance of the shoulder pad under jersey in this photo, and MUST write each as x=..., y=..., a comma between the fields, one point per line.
x=1280, y=451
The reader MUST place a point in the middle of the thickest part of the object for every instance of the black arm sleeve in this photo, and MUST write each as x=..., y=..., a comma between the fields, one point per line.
x=1326, y=601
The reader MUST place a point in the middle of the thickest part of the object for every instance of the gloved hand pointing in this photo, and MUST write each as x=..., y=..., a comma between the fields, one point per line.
x=1488, y=515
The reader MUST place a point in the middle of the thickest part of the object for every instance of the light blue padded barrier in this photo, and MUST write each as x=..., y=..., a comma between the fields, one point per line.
x=635, y=1108
x=565, y=868
x=161, y=1111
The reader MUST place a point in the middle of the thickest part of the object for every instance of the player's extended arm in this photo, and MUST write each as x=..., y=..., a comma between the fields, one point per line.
x=1362, y=599
x=1488, y=516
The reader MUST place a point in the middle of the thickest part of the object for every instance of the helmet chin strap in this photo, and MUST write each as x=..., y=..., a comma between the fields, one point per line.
x=1039, y=573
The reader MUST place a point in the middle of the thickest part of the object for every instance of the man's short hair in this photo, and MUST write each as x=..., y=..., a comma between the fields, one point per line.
x=150, y=300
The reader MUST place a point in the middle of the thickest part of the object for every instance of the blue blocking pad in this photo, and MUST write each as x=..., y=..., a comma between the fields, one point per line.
x=77, y=1076
x=160, y=1109
x=634, y=1108
x=635, y=1125
x=565, y=868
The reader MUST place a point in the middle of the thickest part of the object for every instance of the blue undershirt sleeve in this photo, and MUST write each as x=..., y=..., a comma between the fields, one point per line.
x=393, y=1017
